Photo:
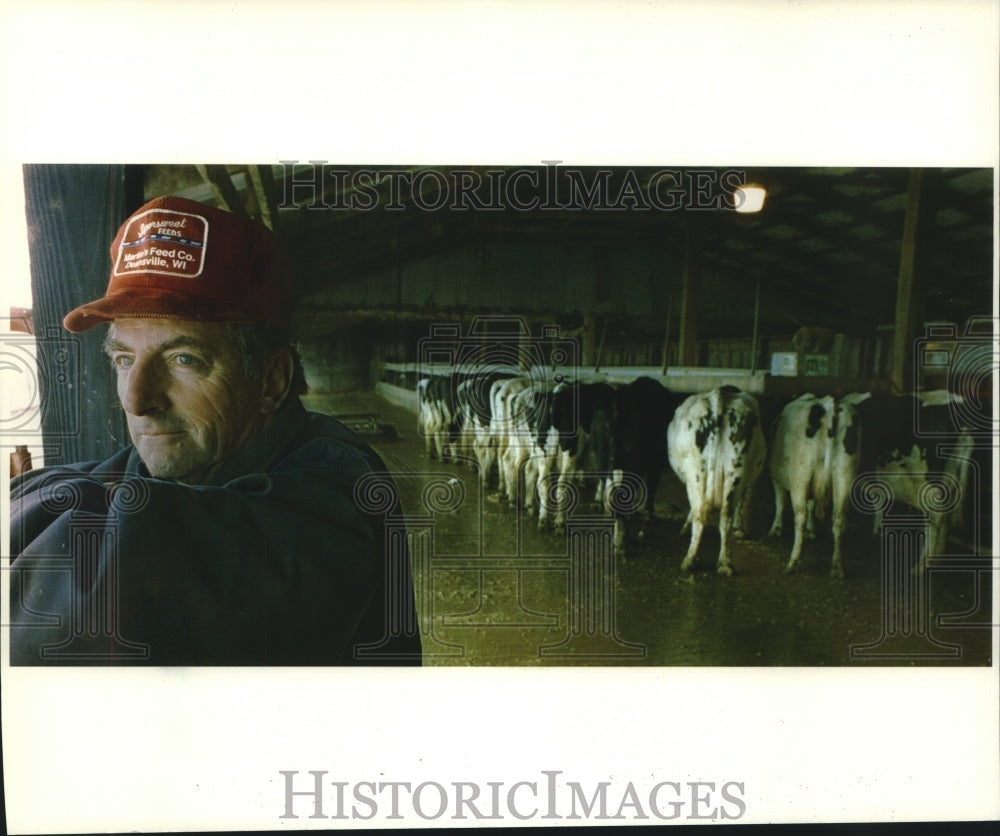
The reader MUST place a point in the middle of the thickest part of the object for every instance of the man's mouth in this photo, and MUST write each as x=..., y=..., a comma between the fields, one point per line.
x=159, y=433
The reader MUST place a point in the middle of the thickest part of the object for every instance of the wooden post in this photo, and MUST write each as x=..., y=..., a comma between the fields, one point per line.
x=666, y=336
x=756, y=320
x=600, y=348
x=687, y=350
x=588, y=340
x=909, y=296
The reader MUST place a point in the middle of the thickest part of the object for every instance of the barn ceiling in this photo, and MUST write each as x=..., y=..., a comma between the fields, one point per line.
x=828, y=239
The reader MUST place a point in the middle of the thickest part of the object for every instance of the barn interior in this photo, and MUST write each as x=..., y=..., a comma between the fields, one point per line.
x=847, y=279
x=644, y=266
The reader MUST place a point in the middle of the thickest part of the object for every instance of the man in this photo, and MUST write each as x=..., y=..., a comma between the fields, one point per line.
x=230, y=532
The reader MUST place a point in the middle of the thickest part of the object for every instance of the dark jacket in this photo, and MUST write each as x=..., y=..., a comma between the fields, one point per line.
x=293, y=555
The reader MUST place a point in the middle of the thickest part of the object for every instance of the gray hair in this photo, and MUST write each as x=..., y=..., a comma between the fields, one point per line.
x=257, y=343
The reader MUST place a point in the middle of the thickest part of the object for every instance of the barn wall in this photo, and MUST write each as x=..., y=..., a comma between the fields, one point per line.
x=338, y=362
x=534, y=278
x=625, y=293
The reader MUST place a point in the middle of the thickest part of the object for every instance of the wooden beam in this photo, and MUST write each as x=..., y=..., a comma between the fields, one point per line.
x=222, y=187
x=909, y=295
x=262, y=183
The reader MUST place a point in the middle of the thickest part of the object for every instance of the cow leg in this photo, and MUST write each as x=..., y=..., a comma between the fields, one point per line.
x=737, y=525
x=502, y=471
x=780, y=495
x=619, y=537
x=652, y=485
x=743, y=492
x=614, y=483
x=697, y=526
x=530, y=471
x=565, y=468
x=841, y=497
x=484, y=458
x=877, y=522
x=697, y=519
x=729, y=502
x=810, y=529
x=544, y=485
x=424, y=419
x=935, y=541
x=510, y=466
x=958, y=515
x=837, y=524
x=800, y=510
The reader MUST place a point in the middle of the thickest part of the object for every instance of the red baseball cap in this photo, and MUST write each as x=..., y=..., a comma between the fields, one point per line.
x=178, y=259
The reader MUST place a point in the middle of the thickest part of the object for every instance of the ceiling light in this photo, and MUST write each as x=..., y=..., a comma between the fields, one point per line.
x=749, y=198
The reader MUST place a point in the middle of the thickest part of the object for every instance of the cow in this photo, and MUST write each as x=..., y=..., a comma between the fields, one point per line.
x=629, y=448
x=716, y=447
x=814, y=459
x=581, y=417
x=502, y=394
x=916, y=450
x=474, y=402
x=530, y=443
x=437, y=415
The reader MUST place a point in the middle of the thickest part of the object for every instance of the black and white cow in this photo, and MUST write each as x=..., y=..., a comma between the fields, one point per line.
x=814, y=459
x=530, y=444
x=502, y=395
x=917, y=450
x=581, y=417
x=716, y=447
x=475, y=404
x=438, y=416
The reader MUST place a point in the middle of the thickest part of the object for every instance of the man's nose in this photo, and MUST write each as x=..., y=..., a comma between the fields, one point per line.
x=143, y=388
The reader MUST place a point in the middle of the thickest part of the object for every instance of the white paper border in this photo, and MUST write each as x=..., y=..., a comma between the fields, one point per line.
x=876, y=84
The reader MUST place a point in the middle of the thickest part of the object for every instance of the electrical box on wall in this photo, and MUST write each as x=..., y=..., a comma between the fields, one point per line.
x=785, y=364
x=816, y=365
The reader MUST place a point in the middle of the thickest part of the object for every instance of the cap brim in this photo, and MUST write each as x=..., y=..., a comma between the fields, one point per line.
x=148, y=303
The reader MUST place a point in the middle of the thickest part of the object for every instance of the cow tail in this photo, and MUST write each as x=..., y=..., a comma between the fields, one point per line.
x=823, y=476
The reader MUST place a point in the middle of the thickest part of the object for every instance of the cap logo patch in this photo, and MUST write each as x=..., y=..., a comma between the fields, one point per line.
x=163, y=241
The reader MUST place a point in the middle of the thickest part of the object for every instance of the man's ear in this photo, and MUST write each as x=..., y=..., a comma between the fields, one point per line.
x=276, y=382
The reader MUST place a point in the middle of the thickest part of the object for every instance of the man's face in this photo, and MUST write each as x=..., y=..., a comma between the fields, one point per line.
x=188, y=402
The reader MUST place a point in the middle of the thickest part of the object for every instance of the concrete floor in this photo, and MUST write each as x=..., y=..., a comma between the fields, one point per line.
x=494, y=590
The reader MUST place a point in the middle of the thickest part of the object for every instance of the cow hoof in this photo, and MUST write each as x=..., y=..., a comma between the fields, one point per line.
x=725, y=570
x=774, y=532
x=836, y=572
x=686, y=565
x=790, y=569
x=739, y=534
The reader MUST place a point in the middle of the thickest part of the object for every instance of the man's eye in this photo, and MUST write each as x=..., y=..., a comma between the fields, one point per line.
x=122, y=361
x=186, y=360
